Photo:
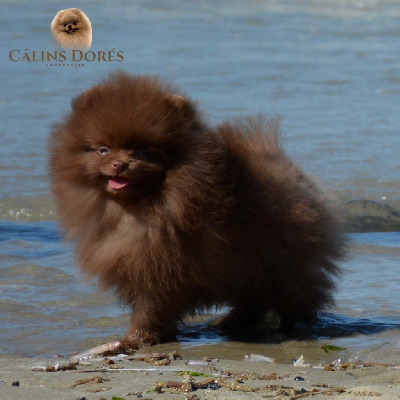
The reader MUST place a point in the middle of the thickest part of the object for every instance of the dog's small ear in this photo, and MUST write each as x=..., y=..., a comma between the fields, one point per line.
x=84, y=100
x=176, y=100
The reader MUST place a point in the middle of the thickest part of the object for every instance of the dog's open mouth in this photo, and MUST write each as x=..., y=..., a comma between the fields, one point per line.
x=72, y=30
x=118, y=183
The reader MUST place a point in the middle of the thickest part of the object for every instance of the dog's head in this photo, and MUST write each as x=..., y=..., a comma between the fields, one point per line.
x=123, y=136
x=72, y=28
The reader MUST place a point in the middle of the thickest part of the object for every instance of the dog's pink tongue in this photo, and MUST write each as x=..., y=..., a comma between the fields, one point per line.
x=116, y=182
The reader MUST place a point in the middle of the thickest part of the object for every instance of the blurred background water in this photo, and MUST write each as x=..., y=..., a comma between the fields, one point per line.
x=329, y=68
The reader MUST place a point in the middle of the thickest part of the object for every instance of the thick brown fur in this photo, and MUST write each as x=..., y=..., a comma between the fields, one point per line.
x=210, y=215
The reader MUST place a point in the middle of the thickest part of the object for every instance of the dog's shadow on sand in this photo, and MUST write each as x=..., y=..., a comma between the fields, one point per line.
x=325, y=326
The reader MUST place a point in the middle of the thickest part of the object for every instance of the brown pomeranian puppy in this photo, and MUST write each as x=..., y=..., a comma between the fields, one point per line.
x=178, y=216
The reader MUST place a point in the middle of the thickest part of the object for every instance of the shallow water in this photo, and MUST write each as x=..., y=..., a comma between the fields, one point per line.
x=330, y=69
x=47, y=309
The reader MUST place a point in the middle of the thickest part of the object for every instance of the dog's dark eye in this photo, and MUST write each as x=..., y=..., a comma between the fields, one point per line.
x=74, y=22
x=143, y=154
x=103, y=150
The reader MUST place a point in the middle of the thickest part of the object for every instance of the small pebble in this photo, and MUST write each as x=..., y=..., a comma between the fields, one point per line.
x=39, y=368
x=299, y=378
x=197, y=362
x=212, y=386
x=16, y=383
x=85, y=363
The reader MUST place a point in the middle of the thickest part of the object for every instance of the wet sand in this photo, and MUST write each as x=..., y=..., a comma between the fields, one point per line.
x=219, y=379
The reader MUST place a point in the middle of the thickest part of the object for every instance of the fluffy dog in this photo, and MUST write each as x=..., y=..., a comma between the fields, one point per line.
x=72, y=29
x=177, y=216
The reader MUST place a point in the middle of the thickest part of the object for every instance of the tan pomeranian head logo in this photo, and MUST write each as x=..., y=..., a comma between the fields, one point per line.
x=72, y=29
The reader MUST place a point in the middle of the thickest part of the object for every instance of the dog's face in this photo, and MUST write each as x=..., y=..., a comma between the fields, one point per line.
x=124, y=172
x=124, y=137
x=70, y=21
x=72, y=28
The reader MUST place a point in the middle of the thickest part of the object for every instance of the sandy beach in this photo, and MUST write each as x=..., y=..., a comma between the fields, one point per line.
x=162, y=376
